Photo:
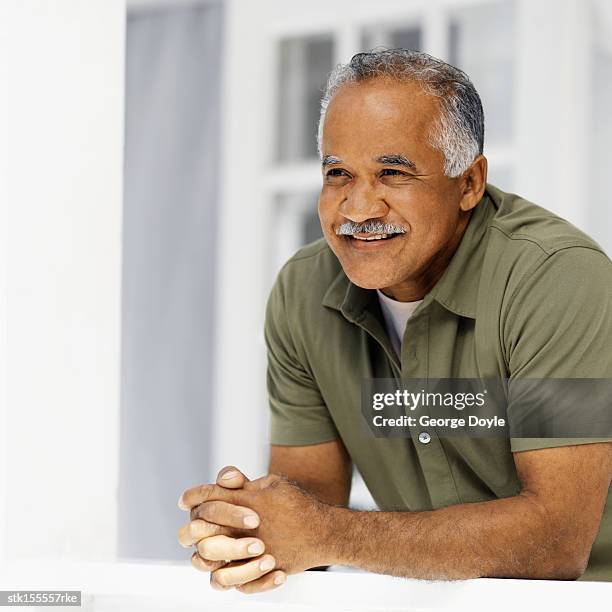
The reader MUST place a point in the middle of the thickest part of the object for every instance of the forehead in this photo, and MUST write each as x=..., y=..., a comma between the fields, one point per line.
x=379, y=115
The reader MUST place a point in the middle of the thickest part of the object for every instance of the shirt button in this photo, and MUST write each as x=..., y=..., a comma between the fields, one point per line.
x=424, y=438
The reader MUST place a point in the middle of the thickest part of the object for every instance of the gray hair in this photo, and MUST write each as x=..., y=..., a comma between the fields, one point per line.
x=459, y=129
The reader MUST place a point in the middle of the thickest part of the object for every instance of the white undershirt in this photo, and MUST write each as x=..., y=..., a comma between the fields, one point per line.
x=396, y=316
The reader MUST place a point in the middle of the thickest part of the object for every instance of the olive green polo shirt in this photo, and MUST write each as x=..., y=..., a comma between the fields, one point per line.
x=526, y=294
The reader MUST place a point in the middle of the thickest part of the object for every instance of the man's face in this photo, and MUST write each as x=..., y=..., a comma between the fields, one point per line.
x=379, y=167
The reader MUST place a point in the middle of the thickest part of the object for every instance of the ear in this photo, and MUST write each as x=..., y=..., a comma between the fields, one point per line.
x=473, y=183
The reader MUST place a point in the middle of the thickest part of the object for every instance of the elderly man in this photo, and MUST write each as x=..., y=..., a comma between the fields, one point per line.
x=425, y=272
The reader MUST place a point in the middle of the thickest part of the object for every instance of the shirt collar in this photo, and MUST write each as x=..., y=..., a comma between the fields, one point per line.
x=457, y=289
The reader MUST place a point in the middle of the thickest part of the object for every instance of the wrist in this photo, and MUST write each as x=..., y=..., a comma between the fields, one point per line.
x=335, y=535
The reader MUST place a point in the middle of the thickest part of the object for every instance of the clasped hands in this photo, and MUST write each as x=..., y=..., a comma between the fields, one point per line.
x=250, y=535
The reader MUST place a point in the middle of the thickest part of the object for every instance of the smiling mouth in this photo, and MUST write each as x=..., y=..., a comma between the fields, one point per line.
x=372, y=237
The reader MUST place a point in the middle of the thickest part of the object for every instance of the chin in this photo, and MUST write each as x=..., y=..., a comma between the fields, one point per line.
x=371, y=279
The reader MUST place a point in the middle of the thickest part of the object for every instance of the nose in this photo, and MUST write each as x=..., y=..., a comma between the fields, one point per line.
x=362, y=203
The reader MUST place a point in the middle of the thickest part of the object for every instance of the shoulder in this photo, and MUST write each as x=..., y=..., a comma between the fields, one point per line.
x=301, y=285
x=531, y=246
x=295, y=309
x=312, y=256
x=307, y=275
x=551, y=286
x=527, y=225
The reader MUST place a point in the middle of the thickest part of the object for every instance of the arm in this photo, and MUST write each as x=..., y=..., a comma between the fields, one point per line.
x=544, y=532
x=322, y=469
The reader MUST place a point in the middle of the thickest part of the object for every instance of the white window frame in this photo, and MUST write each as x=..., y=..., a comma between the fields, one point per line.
x=549, y=164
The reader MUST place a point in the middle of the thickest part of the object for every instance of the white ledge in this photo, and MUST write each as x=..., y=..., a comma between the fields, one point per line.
x=109, y=587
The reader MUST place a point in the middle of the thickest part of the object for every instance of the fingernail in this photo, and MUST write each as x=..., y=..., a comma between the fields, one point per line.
x=266, y=564
x=250, y=521
x=255, y=548
x=280, y=579
x=229, y=474
x=181, y=504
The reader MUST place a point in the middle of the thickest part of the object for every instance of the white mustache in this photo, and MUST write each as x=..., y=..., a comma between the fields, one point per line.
x=371, y=227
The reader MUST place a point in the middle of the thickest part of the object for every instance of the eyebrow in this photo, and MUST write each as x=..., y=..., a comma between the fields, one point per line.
x=330, y=159
x=395, y=159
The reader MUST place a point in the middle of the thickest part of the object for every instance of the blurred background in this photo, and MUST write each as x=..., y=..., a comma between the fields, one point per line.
x=205, y=114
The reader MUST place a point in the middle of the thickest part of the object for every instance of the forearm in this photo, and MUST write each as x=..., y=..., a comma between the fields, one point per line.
x=324, y=470
x=512, y=537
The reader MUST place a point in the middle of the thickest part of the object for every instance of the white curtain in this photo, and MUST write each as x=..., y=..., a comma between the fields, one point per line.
x=171, y=167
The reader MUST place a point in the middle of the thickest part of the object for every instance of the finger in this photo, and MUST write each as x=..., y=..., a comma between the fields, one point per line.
x=234, y=574
x=263, y=482
x=220, y=548
x=205, y=492
x=197, y=530
x=204, y=565
x=216, y=586
x=266, y=583
x=229, y=515
x=231, y=477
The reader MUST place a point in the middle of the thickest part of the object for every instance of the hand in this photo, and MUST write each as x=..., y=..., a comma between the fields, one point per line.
x=292, y=523
x=216, y=544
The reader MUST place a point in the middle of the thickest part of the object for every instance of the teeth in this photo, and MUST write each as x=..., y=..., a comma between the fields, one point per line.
x=375, y=237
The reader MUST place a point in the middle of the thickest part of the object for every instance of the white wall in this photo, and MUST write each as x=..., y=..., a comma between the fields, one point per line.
x=61, y=198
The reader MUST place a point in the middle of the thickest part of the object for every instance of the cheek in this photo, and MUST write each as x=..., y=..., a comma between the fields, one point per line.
x=429, y=221
x=322, y=209
x=326, y=201
x=327, y=212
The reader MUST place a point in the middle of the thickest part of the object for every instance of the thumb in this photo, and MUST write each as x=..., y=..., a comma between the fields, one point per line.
x=231, y=477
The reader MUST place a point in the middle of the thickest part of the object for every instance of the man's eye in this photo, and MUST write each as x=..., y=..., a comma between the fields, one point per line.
x=337, y=176
x=392, y=172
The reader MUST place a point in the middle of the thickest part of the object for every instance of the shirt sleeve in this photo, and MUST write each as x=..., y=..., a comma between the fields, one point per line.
x=298, y=414
x=559, y=326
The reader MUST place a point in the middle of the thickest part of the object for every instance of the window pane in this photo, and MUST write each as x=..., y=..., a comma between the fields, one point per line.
x=311, y=227
x=305, y=64
x=295, y=222
x=407, y=37
x=481, y=44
